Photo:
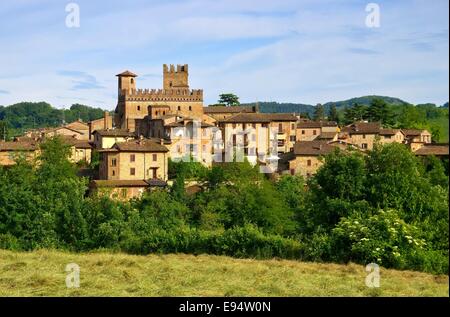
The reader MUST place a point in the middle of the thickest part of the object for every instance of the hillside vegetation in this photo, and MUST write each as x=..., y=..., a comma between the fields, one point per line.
x=387, y=207
x=42, y=273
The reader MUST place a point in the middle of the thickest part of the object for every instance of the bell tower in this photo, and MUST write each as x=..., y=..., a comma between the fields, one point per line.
x=127, y=81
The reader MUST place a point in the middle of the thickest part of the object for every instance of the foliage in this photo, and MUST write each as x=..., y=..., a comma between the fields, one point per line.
x=229, y=100
x=319, y=112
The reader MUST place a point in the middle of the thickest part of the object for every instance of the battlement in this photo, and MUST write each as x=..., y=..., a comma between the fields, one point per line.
x=175, y=94
x=179, y=68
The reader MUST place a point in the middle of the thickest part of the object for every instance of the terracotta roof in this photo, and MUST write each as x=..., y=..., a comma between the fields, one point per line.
x=115, y=132
x=259, y=118
x=144, y=145
x=231, y=109
x=412, y=132
x=433, y=149
x=362, y=128
x=389, y=131
x=128, y=183
x=316, y=124
x=126, y=73
x=327, y=135
x=312, y=148
x=18, y=146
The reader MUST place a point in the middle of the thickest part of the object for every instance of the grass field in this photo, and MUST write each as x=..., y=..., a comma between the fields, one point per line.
x=42, y=273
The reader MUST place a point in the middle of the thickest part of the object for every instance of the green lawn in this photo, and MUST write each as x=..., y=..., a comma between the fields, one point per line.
x=42, y=273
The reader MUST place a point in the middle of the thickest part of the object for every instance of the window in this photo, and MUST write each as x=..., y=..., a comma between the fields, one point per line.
x=132, y=80
x=292, y=138
x=155, y=157
x=303, y=131
x=132, y=171
x=308, y=162
x=190, y=108
x=280, y=127
x=364, y=136
x=314, y=132
x=364, y=146
x=292, y=126
x=154, y=175
x=139, y=108
x=113, y=162
x=179, y=108
x=124, y=192
x=113, y=173
x=164, y=113
x=132, y=157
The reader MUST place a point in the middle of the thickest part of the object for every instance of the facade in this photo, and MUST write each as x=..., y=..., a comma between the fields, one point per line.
x=129, y=168
x=362, y=134
x=224, y=112
x=308, y=130
x=307, y=157
x=9, y=151
x=257, y=136
x=105, y=123
x=416, y=138
x=105, y=139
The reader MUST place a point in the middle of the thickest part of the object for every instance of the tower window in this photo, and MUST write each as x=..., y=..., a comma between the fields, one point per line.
x=132, y=80
x=190, y=108
x=179, y=108
x=139, y=108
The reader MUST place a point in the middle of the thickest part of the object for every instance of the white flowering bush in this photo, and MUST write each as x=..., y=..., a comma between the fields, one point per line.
x=383, y=238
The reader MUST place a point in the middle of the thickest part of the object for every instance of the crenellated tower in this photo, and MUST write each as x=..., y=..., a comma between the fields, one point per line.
x=176, y=98
x=175, y=77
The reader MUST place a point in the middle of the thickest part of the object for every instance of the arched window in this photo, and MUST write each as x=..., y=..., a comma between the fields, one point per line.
x=132, y=80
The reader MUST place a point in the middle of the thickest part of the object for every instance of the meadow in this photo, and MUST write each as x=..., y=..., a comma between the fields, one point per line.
x=42, y=273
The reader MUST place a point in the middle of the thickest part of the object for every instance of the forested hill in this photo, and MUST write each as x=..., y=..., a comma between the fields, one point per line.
x=340, y=105
x=28, y=115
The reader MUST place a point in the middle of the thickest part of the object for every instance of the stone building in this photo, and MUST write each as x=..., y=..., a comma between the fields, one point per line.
x=308, y=130
x=416, y=138
x=10, y=151
x=307, y=157
x=174, y=98
x=128, y=168
x=257, y=136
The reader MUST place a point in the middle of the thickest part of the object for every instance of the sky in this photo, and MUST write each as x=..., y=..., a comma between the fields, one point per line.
x=310, y=51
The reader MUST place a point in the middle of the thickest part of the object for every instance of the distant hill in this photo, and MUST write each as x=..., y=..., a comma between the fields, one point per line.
x=28, y=115
x=306, y=108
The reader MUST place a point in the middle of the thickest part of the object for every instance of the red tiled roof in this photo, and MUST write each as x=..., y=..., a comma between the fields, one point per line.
x=144, y=145
x=126, y=73
x=312, y=148
x=316, y=124
x=231, y=109
x=259, y=118
x=433, y=149
x=18, y=146
x=363, y=128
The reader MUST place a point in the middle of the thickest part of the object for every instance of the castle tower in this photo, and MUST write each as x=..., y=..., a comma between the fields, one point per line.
x=175, y=78
x=126, y=81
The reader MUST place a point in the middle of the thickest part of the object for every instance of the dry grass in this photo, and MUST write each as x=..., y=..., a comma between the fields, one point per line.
x=42, y=273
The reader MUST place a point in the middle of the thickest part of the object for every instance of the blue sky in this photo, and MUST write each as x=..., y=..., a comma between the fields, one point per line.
x=310, y=51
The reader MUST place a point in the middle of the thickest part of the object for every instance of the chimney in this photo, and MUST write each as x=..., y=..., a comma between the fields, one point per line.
x=105, y=120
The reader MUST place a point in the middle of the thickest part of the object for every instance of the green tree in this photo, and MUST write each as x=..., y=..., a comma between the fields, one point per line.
x=3, y=131
x=379, y=111
x=319, y=112
x=333, y=114
x=229, y=99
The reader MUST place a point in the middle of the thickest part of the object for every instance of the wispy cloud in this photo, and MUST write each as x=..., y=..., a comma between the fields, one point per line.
x=5, y=92
x=81, y=80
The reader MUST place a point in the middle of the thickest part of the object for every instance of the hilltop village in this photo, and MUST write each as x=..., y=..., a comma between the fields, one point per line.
x=151, y=126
